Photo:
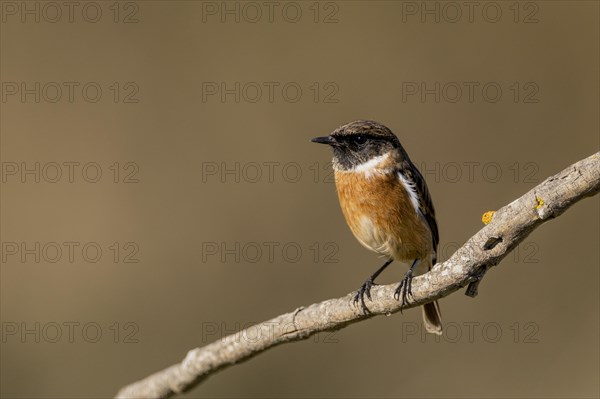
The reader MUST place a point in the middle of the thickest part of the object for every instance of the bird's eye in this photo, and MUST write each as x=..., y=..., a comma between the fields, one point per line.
x=360, y=139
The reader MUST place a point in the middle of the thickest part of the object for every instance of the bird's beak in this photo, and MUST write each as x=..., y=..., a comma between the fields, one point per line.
x=323, y=140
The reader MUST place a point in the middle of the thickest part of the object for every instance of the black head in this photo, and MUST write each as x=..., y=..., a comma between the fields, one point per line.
x=360, y=141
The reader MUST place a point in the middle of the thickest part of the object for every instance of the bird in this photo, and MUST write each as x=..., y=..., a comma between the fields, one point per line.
x=387, y=205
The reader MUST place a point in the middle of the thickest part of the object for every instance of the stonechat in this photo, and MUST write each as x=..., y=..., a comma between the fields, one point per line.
x=387, y=205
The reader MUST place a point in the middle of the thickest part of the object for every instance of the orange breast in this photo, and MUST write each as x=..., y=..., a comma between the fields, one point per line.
x=379, y=213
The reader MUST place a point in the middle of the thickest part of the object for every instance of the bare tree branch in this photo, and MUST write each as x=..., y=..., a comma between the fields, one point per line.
x=508, y=227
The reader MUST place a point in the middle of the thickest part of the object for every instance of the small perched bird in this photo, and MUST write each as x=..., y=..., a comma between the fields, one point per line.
x=387, y=205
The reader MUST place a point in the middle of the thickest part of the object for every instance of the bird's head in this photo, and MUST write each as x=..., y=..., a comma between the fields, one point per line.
x=357, y=143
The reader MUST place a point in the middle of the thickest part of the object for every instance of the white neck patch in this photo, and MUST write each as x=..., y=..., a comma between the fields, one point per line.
x=372, y=166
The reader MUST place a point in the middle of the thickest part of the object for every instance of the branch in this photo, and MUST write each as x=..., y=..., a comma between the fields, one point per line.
x=508, y=227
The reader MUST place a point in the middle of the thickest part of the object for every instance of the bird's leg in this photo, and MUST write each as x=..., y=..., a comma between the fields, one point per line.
x=366, y=287
x=404, y=289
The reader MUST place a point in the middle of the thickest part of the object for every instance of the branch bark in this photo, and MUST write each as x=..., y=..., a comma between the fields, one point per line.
x=509, y=226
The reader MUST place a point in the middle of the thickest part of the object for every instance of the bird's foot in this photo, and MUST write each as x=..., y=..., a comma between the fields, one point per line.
x=365, y=289
x=404, y=290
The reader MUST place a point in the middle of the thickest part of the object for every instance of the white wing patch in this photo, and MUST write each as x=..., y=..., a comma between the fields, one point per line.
x=411, y=190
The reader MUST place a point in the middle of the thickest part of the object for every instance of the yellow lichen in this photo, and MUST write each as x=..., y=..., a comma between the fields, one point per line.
x=540, y=203
x=487, y=217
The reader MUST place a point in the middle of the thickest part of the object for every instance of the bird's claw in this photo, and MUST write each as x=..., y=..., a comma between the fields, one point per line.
x=365, y=289
x=404, y=289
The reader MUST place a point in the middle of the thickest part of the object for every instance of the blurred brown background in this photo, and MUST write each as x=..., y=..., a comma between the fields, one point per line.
x=198, y=116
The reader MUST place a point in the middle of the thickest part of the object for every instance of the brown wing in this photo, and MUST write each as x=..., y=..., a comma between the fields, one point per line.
x=410, y=172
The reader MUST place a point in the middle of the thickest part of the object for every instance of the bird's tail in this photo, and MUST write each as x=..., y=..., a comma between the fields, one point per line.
x=432, y=318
